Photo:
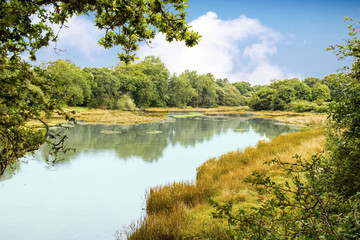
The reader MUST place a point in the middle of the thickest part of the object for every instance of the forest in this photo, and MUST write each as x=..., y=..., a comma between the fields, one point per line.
x=149, y=83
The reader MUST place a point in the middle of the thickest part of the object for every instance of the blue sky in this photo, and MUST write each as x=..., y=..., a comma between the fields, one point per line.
x=243, y=40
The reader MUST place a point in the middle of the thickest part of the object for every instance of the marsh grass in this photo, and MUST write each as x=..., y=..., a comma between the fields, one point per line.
x=100, y=116
x=181, y=208
x=304, y=119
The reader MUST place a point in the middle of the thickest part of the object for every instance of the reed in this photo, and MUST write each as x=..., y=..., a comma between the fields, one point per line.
x=182, y=206
x=304, y=119
x=166, y=198
x=100, y=116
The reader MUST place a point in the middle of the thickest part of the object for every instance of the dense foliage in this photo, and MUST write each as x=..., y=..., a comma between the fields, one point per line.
x=27, y=92
x=321, y=199
x=145, y=84
x=149, y=84
x=311, y=94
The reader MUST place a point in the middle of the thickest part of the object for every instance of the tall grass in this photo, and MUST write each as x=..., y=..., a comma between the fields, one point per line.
x=180, y=211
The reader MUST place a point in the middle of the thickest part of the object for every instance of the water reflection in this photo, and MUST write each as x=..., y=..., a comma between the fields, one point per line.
x=148, y=141
x=100, y=187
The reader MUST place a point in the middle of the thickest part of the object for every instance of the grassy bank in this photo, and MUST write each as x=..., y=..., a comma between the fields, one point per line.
x=103, y=116
x=119, y=117
x=180, y=210
x=311, y=120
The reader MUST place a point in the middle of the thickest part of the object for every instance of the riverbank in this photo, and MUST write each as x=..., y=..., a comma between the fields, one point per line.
x=180, y=210
x=118, y=117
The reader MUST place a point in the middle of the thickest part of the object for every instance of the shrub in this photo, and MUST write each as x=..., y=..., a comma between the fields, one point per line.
x=125, y=102
x=301, y=106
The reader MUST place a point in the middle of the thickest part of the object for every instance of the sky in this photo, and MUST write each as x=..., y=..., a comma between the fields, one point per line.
x=242, y=40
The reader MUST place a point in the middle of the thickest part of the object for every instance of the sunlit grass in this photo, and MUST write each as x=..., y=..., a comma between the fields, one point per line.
x=220, y=178
x=303, y=119
x=101, y=116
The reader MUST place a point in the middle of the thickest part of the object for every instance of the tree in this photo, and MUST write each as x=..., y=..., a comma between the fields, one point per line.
x=137, y=83
x=243, y=87
x=262, y=99
x=333, y=81
x=320, y=92
x=228, y=95
x=73, y=84
x=311, y=81
x=284, y=94
x=26, y=92
x=294, y=209
x=302, y=91
x=204, y=86
x=344, y=127
x=106, y=89
x=155, y=69
x=180, y=91
x=126, y=23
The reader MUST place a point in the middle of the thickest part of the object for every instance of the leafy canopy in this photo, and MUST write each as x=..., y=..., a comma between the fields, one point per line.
x=25, y=25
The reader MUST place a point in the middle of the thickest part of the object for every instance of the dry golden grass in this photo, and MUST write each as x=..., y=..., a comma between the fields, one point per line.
x=222, y=178
x=301, y=119
x=101, y=116
x=220, y=110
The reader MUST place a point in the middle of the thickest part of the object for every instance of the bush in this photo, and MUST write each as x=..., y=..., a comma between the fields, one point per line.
x=306, y=106
x=301, y=106
x=125, y=102
x=297, y=209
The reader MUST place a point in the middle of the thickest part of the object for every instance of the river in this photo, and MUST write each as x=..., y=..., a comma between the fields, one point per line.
x=100, y=188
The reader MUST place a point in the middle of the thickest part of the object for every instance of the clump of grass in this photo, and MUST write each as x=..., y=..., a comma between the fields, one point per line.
x=166, y=198
x=161, y=226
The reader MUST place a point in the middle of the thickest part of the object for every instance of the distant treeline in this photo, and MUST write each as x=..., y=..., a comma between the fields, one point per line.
x=149, y=84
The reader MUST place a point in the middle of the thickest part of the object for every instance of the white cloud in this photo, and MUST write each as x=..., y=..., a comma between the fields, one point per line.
x=80, y=34
x=238, y=49
x=77, y=40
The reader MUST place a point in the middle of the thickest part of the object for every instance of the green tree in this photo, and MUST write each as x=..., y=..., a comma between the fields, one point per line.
x=106, y=88
x=25, y=94
x=228, y=96
x=262, y=99
x=320, y=92
x=73, y=84
x=138, y=83
x=180, y=91
x=243, y=87
x=284, y=94
x=344, y=127
x=204, y=86
x=302, y=91
x=333, y=81
x=311, y=81
x=222, y=82
x=125, y=23
x=155, y=69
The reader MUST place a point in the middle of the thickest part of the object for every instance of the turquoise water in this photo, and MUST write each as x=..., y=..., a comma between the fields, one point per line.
x=100, y=188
